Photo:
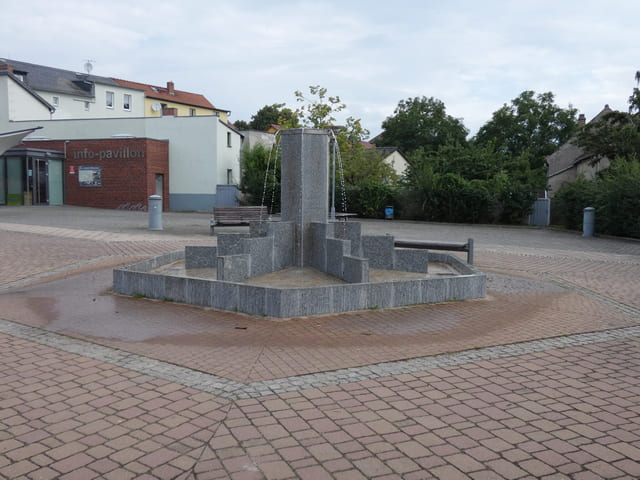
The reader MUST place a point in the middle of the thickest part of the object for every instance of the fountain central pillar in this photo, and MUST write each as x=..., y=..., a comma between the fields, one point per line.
x=304, y=184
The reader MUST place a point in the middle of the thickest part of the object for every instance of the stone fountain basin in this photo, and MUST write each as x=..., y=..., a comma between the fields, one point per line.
x=299, y=292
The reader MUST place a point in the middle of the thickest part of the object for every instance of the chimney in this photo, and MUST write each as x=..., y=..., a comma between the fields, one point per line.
x=581, y=120
x=171, y=88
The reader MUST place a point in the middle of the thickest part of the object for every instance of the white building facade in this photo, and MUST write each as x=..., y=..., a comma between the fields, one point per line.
x=204, y=152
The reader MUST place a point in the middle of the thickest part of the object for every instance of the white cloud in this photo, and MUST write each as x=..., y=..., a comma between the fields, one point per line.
x=474, y=56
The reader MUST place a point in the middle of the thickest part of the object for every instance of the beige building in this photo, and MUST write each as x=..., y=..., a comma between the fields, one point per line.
x=159, y=101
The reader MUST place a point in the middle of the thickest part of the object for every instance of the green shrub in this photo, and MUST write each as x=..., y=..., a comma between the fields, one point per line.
x=568, y=204
x=370, y=199
x=618, y=199
x=253, y=183
x=615, y=194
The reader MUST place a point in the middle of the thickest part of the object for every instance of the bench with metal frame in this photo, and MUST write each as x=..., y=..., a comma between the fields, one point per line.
x=237, y=215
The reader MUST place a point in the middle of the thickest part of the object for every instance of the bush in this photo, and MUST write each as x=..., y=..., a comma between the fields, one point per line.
x=253, y=184
x=370, y=199
x=618, y=199
x=614, y=194
x=568, y=204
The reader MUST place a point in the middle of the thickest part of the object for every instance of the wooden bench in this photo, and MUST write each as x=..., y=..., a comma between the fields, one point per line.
x=237, y=215
x=446, y=246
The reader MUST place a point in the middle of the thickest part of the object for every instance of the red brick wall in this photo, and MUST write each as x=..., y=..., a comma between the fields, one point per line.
x=128, y=166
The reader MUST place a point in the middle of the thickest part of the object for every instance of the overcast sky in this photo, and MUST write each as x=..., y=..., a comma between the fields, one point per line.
x=473, y=55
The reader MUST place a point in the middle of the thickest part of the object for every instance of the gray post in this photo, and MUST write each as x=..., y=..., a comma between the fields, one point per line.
x=588, y=222
x=155, y=212
x=304, y=196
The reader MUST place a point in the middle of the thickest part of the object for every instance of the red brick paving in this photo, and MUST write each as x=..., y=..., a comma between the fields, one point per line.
x=565, y=413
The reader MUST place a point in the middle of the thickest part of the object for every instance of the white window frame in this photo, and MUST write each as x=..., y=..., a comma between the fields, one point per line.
x=55, y=101
x=109, y=99
x=229, y=139
x=86, y=106
x=126, y=104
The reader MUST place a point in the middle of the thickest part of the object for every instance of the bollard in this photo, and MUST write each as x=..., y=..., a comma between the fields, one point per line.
x=588, y=222
x=155, y=212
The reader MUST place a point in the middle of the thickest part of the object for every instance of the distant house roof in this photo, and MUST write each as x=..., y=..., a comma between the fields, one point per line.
x=56, y=80
x=232, y=127
x=31, y=91
x=569, y=154
x=169, y=93
x=385, y=150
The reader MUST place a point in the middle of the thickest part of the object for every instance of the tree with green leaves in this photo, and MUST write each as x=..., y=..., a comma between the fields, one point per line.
x=470, y=183
x=241, y=125
x=615, y=134
x=366, y=174
x=421, y=123
x=531, y=124
x=614, y=191
x=360, y=165
x=318, y=112
x=260, y=180
x=275, y=114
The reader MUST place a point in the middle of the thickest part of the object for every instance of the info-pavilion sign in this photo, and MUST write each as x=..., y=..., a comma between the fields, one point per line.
x=123, y=153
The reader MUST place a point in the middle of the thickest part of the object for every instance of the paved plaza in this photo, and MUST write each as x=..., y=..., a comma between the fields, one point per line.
x=539, y=380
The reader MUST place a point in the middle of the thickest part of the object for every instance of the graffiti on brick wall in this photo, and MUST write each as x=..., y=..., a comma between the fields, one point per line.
x=132, y=206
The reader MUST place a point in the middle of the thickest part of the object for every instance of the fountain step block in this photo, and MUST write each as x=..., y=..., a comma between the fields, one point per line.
x=234, y=268
x=231, y=243
x=379, y=250
x=200, y=257
x=411, y=260
x=355, y=269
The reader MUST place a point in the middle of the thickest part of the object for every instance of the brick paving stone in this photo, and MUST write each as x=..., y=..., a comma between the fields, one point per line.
x=563, y=411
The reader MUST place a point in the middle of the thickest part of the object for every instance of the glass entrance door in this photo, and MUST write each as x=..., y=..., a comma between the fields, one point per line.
x=41, y=182
x=15, y=184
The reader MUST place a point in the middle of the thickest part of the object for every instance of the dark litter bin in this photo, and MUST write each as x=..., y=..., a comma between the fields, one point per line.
x=388, y=213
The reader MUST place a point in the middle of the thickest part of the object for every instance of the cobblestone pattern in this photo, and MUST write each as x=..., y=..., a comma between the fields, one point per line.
x=562, y=414
x=230, y=389
x=32, y=258
x=554, y=396
x=66, y=416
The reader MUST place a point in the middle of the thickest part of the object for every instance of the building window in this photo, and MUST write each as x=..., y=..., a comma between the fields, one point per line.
x=127, y=102
x=86, y=106
x=228, y=139
x=55, y=102
x=192, y=112
x=109, y=99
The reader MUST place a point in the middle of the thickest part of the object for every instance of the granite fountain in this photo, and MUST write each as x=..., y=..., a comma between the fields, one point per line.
x=304, y=264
